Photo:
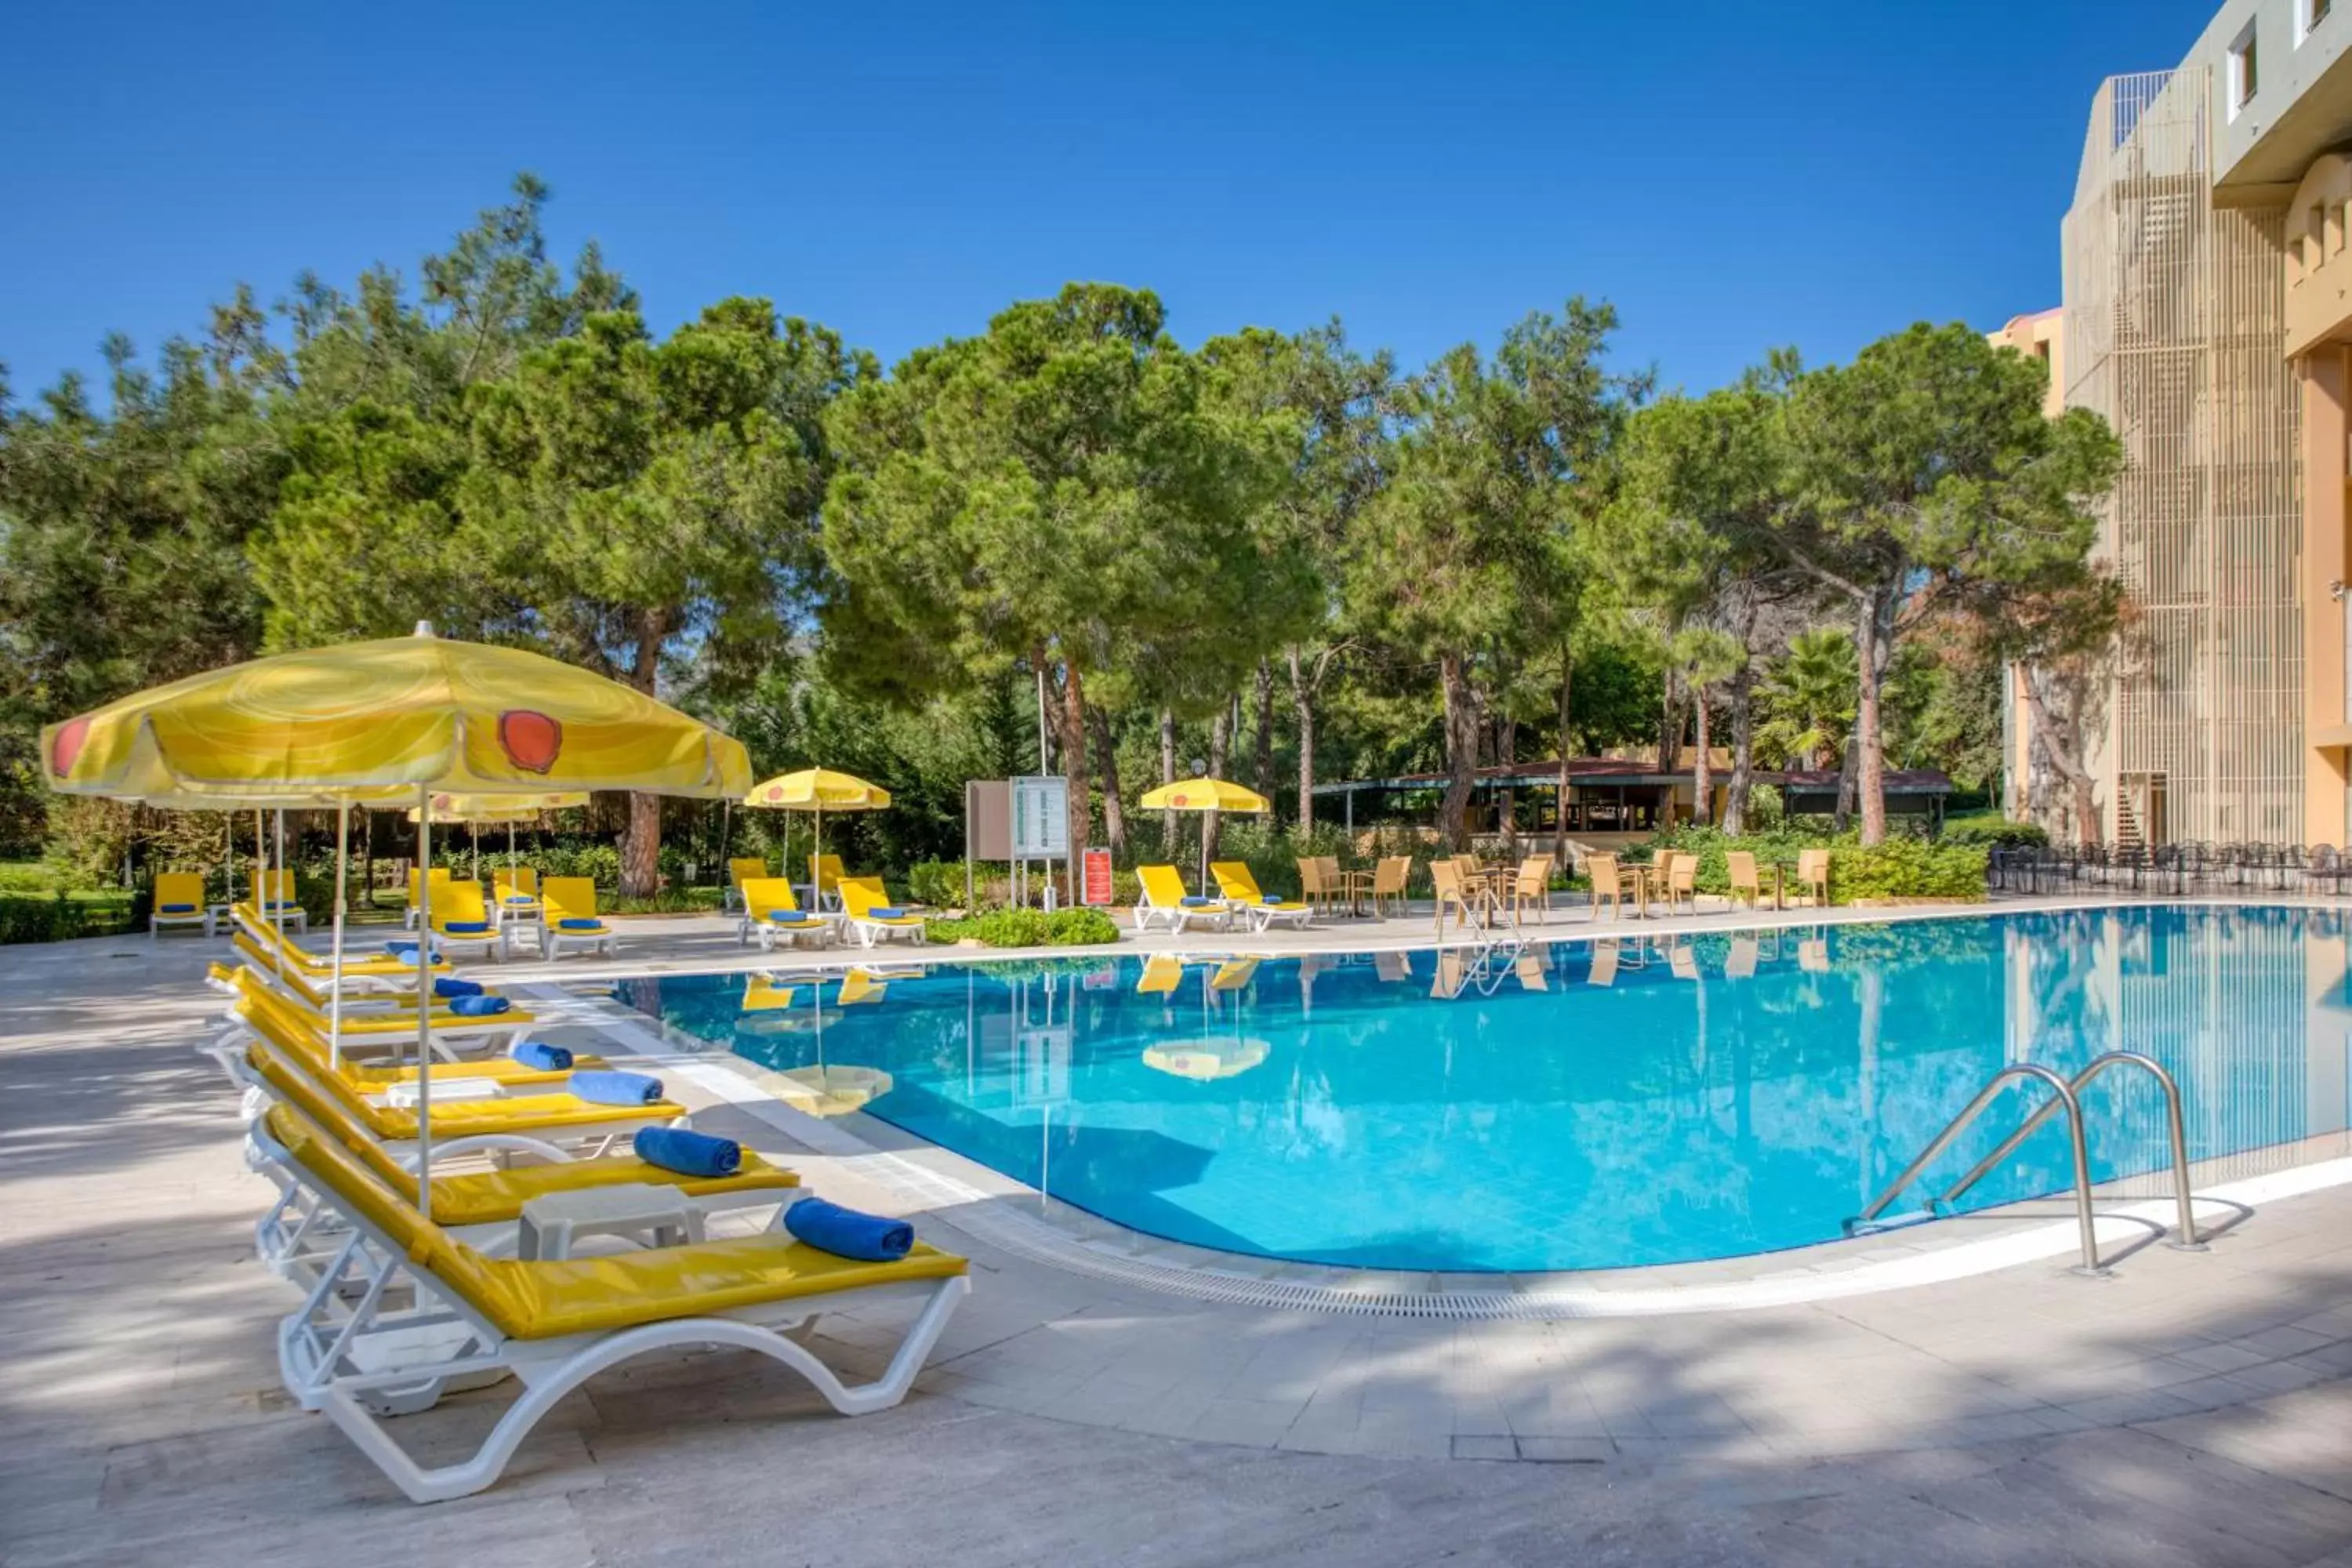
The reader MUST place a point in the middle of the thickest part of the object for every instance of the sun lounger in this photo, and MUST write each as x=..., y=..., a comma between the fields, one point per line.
x=461, y=919
x=536, y=1120
x=514, y=895
x=572, y=919
x=361, y=971
x=415, y=911
x=868, y=915
x=470, y=1200
x=1241, y=896
x=274, y=900
x=389, y=1028
x=740, y=870
x=770, y=913
x=178, y=902
x=556, y=1323
x=1163, y=899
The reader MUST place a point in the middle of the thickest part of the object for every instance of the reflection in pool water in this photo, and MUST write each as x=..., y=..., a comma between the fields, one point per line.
x=1579, y=1105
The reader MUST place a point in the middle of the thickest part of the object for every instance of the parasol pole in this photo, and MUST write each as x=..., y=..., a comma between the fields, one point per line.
x=425, y=1011
x=278, y=921
x=228, y=869
x=335, y=996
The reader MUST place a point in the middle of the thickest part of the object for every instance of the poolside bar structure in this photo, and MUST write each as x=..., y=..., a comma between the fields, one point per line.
x=1618, y=795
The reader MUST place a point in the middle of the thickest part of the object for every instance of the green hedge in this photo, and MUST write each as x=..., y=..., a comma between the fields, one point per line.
x=1906, y=869
x=53, y=919
x=1028, y=928
x=1901, y=867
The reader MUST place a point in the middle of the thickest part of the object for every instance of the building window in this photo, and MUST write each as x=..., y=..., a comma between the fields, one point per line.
x=2244, y=72
x=2308, y=15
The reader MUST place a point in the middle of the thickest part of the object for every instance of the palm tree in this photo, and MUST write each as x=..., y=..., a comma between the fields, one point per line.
x=1810, y=697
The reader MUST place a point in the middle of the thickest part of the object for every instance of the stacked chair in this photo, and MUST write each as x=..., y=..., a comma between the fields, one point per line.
x=411, y=1287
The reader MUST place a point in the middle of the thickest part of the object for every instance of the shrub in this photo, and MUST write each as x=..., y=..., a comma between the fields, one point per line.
x=53, y=919
x=1079, y=928
x=1906, y=869
x=938, y=883
x=600, y=862
x=1027, y=928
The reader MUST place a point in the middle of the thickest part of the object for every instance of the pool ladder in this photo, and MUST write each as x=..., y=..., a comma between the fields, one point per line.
x=2065, y=1096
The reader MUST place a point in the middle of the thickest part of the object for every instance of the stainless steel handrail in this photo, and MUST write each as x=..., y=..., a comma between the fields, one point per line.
x=2065, y=1093
x=2187, y=1238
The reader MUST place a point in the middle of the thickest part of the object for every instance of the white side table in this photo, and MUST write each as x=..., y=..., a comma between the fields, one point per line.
x=552, y=1222
x=216, y=916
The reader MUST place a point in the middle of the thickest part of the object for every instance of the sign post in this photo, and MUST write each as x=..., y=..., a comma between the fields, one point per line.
x=1041, y=829
x=1095, y=881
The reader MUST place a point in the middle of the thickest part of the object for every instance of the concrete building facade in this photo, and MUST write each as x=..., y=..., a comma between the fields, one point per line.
x=2208, y=316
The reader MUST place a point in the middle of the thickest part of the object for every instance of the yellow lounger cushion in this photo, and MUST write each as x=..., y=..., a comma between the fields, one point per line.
x=494, y=1197
x=583, y=1295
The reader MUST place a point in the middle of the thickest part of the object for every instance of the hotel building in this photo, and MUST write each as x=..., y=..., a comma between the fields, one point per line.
x=2208, y=316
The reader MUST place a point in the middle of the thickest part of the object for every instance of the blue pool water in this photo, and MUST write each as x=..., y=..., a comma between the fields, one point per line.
x=1593, y=1106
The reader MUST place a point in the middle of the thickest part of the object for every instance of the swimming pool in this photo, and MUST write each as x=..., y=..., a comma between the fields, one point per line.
x=1591, y=1105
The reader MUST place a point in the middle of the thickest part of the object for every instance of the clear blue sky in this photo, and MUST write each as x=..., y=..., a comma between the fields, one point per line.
x=1732, y=174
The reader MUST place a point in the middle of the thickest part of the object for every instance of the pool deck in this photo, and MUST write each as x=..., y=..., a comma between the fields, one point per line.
x=2191, y=1409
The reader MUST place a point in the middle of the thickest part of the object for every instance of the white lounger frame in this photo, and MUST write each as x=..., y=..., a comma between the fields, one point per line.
x=553, y=938
x=768, y=933
x=366, y=1362
x=1213, y=914
x=870, y=933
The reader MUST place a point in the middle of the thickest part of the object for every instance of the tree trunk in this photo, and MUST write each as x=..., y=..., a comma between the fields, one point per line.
x=641, y=843
x=1302, y=713
x=1461, y=749
x=1506, y=803
x=1702, y=764
x=1743, y=747
x=1114, y=809
x=1566, y=750
x=1072, y=738
x=1167, y=776
x=2063, y=751
x=367, y=856
x=1669, y=728
x=1220, y=744
x=1261, y=778
x=1874, y=645
x=1842, y=814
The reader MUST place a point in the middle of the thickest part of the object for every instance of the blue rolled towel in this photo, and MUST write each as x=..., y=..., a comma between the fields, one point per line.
x=1194, y=901
x=541, y=1056
x=478, y=1006
x=845, y=1233
x=688, y=1152
x=519, y=899
x=616, y=1088
x=450, y=985
x=468, y=927
x=178, y=909
x=570, y=923
x=887, y=912
x=1269, y=898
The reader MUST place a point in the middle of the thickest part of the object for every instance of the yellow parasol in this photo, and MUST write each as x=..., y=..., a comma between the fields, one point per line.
x=817, y=790
x=420, y=711
x=1204, y=794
